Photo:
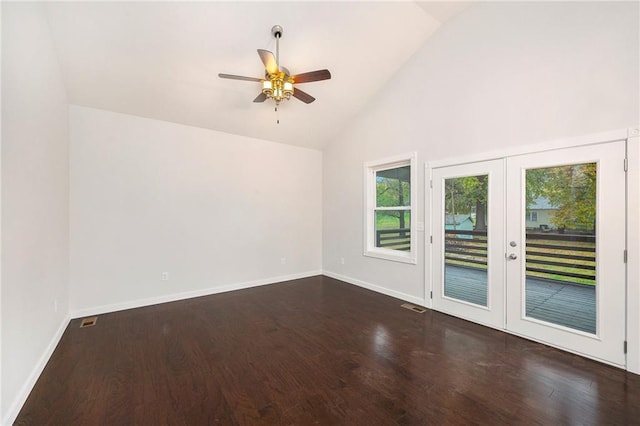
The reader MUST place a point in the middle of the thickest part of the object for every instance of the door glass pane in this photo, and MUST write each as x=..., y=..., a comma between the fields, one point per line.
x=393, y=229
x=465, y=231
x=560, y=222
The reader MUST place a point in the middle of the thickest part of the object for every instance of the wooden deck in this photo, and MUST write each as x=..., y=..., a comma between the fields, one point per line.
x=568, y=305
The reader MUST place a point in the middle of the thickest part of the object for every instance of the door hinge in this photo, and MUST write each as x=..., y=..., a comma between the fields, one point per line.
x=626, y=164
x=624, y=346
x=431, y=183
x=431, y=239
x=431, y=294
x=625, y=256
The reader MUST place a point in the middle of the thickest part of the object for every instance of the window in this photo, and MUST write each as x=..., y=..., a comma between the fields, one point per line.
x=390, y=198
x=532, y=216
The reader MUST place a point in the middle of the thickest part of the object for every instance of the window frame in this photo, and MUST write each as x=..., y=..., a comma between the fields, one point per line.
x=370, y=170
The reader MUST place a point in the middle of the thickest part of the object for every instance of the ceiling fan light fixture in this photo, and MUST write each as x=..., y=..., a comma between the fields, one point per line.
x=278, y=83
x=278, y=87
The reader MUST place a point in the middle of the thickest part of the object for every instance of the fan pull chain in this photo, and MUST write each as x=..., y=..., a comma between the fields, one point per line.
x=277, y=115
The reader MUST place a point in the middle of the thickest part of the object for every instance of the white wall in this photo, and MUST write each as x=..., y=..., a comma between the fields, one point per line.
x=35, y=196
x=219, y=211
x=216, y=211
x=497, y=75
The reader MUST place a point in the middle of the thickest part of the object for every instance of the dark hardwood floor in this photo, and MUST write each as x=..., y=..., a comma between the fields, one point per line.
x=316, y=351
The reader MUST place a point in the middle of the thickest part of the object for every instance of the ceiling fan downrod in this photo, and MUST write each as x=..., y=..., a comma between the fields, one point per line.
x=277, y=31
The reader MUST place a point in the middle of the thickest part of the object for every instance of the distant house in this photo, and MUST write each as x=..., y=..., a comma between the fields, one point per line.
x=462, y=222
x=540, y=213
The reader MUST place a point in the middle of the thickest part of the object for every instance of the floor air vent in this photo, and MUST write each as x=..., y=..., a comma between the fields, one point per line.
x=88, y=322
x=414, y=308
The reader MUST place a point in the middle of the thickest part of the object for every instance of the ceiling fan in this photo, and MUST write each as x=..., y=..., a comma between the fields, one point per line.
x=278, y=83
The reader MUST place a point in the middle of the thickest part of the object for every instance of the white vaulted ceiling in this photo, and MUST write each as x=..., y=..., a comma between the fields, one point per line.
x=161, y=59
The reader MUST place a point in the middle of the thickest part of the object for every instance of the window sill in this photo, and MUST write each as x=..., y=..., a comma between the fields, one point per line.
x=392, y=255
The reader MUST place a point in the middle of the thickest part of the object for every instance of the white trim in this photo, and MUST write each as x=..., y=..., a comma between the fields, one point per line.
x=633, y=253
x=97, y=310
x=1, y=133
x=428, y=235
x=2, y=403
x=390, y=162
x=392, y=255
x=21, y=398
x=563, y=348
x=550, y=145
x=391, y=209
x=23, y=394
x=369, y=170
x=376, y=288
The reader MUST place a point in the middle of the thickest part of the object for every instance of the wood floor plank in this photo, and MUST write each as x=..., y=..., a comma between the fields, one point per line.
x=315, y=351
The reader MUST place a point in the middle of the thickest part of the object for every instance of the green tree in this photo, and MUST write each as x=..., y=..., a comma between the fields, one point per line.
x=571, y=188
x=394, y=190
x=463, y=194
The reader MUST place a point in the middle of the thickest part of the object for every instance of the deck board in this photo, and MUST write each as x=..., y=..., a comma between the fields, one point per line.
x=569, y=305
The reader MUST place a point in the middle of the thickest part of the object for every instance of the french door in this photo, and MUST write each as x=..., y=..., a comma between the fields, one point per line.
x=566, y=272
x=468, y=239
x=534, y=244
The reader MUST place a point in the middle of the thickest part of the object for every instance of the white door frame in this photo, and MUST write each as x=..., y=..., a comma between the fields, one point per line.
x=633, y=250
x=632, y=135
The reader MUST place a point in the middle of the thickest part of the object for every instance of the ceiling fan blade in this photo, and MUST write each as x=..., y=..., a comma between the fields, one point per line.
x=308, y=77
x=238, y=77
x=268, y=60
x=260, y=98
x=303, y=96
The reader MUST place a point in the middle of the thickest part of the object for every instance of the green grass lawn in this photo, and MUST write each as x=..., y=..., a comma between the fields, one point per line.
x=387, y=221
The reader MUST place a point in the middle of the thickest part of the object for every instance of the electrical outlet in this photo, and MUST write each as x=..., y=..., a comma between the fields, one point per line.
x=342, y=260
x=283, y=260
x=165, y=276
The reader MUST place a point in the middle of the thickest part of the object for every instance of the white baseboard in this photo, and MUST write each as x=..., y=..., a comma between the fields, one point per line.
x=376, y=288
x=22, y=396
x=97, y=310
x=20, y=399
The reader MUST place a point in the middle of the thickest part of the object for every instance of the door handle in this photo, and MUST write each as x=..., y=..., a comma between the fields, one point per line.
x=513, y=256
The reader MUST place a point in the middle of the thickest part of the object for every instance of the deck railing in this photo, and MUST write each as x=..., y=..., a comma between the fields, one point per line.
x=562, y=257
x=396, y=239
x=465, y=248
x=559, y=257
